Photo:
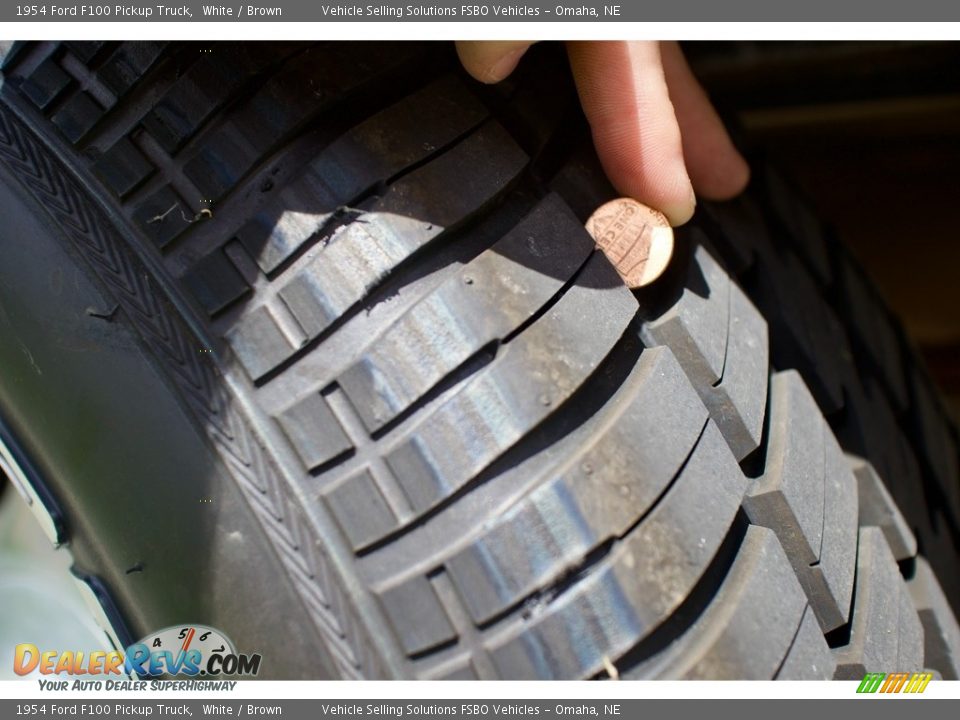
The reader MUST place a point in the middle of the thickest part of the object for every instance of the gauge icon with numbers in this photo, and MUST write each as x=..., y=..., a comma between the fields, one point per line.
x=183, y=638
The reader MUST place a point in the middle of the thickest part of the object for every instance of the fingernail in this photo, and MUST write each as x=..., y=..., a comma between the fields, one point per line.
x=504, y=65
x=682, y=212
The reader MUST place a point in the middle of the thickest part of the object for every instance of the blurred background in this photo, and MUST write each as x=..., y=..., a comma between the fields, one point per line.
x=871, y=134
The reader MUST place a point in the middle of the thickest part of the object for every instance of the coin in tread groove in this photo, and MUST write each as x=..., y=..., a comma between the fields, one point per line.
x=637, y=240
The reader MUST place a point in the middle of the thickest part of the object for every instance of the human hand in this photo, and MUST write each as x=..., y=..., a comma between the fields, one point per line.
x=656, y=133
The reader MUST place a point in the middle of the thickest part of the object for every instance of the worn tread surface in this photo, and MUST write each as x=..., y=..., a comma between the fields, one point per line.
x=941, y=634
x=885, y=631
x=476, y=453
x=748, y=630
x=809, y=657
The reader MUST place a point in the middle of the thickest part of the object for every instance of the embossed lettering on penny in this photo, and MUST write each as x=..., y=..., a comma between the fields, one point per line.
x=638, y=240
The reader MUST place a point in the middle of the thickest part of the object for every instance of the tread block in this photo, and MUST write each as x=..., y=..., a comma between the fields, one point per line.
x=353, y=263
x=355, y=162
x=361, y=509
x=200, y=91
x=163, y=216
x=10, y=51
x=316, y=79
x=910, y=649
x=308, y=81
x=485, y=301
x=721, y=341
x=789, y=497
x=259, y=343
x=85, y=50
x=529, y=380
x=830, y=585
x=596, y=496
x=463, y=671
x=78, y=116
x=215, y=282
x=314, y=431
x=413, y=211
x=454, y=110
x=45, y=83
x=641, y=582
x=885, y=633
x=123, y=167
x=128, y=64
x=878, y=509
x=941, y=633
x=277, y=229
x=494, y=160
x=749, y=626
x=417, y=615
x=313, y=82
x=221, y=161
x=695, y=328
x=809, y=657
x=808, y=496
x=738, y=402
x=582, y=183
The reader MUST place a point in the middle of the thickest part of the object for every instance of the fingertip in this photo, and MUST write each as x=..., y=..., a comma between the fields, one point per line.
x=722, y=178
x=503, y=66
x=658, y=180
x=679, y=207
x=733, y=176
x=739, y=174
x=490, y=61
x=681, y=214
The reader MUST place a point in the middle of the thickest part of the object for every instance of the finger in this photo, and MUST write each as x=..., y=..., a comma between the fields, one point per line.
x=717, y=170
x=490, y=61
x=626, y=101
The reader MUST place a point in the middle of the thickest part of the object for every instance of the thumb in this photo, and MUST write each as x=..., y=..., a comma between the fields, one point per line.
x=490, y=61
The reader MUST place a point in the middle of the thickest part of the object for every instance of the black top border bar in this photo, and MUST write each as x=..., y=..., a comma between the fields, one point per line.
x=312, y=11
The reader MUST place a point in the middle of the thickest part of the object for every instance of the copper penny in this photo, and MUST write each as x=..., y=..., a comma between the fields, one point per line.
x=638, y=240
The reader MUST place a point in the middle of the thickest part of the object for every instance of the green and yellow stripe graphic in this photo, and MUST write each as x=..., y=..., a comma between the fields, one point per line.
x=895, y=682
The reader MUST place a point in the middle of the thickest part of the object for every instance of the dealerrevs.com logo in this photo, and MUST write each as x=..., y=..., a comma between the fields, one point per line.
x=190, y=650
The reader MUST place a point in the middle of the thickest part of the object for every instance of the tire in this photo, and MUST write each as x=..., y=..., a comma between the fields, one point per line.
x=309, y=344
